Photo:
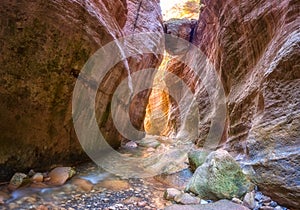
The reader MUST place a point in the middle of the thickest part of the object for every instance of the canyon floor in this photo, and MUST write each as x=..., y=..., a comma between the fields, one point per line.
x=94, y=188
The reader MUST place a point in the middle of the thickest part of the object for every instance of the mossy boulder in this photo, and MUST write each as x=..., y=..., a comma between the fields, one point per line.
x=219, y=177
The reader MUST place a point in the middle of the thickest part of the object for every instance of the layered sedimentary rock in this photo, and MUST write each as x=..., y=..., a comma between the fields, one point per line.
x=254, y=48
x=44, y=45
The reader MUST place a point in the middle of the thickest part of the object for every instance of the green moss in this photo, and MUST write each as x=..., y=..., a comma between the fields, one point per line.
x=196, y=158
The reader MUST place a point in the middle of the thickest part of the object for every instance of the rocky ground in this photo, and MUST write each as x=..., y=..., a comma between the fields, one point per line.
x=93, y=188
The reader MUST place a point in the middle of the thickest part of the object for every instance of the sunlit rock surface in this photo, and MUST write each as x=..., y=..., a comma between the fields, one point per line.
x=180, y=21
x=44, y=45
x=254, y=47
x=181, y=9
x=157, y=112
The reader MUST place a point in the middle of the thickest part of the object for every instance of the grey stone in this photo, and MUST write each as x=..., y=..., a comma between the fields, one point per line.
x=219, y=205
x=186, y=199
x=249, y=200
x=171, y=193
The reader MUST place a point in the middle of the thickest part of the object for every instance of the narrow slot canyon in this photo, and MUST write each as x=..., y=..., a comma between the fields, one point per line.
x=150, y=104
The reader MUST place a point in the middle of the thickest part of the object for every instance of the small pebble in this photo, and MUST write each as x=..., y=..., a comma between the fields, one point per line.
x=171, y=193
x=266, y=208
x=236, y=200
x=142, y=203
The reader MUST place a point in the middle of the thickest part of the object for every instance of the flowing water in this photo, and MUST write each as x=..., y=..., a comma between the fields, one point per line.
x=94, y=188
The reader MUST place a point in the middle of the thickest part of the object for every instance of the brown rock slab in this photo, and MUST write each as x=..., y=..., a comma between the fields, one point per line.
x=219, y=205
x=83, y=184
x=171, y=193
x=186, y=199
x=58, y=176
x=114, y=185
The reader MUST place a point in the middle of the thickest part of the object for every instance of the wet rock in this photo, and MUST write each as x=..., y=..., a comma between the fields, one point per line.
x=83, y=184
x=171, y=193
x=59, y=175
x=219, y=205
x=18, y=180
x=114, y=185
x=186, y=199
x=219, y=177
x=196, y=158
x=37, y=177
x=249, y=200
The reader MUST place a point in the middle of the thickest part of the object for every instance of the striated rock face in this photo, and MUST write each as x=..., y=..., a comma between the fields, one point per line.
x=255, y=48
x=44, y=45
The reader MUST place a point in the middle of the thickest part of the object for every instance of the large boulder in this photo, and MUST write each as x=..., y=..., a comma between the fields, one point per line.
x=219, y=177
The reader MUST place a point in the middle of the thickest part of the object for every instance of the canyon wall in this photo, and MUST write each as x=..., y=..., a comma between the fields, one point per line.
x=44, y=45
x=254, y=47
